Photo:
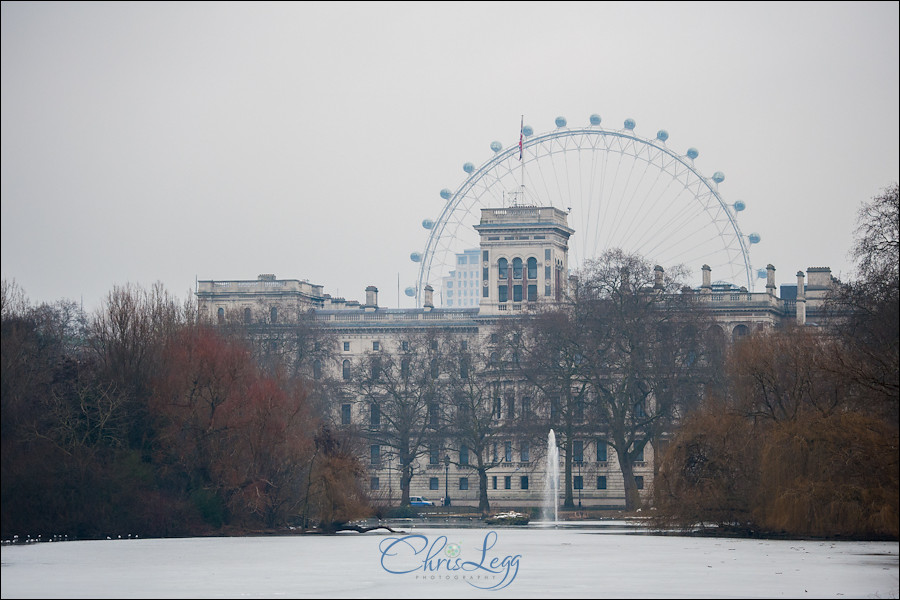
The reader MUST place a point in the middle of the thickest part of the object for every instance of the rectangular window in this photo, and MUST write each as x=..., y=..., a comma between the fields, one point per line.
x=510, y=408
x=434, y=484
x=546, y=253
x=601, y=482
x=639, y=457
x=507, y=451
x=374, y=484
x=577, y=482
x=601, y=451
x=375, y=415
x=507, y=482
x=526, y=407
x=579, y=409
x=434, y=456
x=524, y=453
x=554, y=409
x=547, y=290
x=517, y=293
x=376, y=346
x=532, y=293
x=463, y=483
x=578, y=451
x=494, y=481
x=523, y=482
x=345, y=414
x=639, y=481
x=463, y=455
x=502, y=293
x=375, y=454
x=346, y=346
x=404, y=346
x=497, y=408
x=485, y=291
x=484, y=256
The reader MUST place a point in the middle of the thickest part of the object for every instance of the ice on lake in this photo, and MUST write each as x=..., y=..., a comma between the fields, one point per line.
x=532, y=562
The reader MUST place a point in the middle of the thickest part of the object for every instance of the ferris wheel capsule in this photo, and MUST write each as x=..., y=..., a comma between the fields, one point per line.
x=563, y=168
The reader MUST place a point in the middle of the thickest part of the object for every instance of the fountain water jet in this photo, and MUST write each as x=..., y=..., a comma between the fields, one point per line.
x=551, y=480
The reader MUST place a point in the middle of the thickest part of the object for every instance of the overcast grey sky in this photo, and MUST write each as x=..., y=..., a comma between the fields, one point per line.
x=146, y=142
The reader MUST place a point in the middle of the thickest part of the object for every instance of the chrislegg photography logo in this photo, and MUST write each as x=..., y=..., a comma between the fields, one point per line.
x=422, y=559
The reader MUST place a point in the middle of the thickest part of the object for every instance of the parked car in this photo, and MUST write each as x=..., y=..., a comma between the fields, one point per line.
x=420, y=501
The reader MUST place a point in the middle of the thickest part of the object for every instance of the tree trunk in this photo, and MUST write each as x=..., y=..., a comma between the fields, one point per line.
x=569, y=501
x=405, y=479
x=483, y=504
x=632, y=497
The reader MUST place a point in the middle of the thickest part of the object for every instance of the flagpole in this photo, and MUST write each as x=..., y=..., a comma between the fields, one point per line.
x=522, y=162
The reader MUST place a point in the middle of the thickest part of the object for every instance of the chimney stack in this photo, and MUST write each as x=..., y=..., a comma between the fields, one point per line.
x=658, y=273
x=801, y=299
x=371, y=298
x=428, y=304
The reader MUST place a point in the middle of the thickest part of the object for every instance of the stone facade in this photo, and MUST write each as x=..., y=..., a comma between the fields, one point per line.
x=523, y=260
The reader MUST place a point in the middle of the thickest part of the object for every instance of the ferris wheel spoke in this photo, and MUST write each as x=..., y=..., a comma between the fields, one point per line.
x=619, y=190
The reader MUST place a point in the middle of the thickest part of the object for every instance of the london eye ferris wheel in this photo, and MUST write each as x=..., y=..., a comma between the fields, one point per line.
x=620, y=190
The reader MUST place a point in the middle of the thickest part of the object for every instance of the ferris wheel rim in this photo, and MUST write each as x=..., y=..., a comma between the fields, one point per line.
x=531, y=141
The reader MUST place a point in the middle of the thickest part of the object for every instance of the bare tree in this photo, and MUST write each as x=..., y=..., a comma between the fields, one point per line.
x=400, y=386
x=546, y=348
x=868, y=307
x=480, y=387
x=626, y=355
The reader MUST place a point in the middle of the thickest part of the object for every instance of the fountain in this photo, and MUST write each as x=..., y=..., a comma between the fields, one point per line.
x=551, y=480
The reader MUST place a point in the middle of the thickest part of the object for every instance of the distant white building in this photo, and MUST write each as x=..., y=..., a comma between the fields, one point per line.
x=461, y=287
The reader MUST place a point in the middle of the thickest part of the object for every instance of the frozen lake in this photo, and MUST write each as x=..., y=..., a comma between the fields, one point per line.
x=430, y=562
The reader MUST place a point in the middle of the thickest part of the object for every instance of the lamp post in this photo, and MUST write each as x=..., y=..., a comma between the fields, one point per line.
x=580, y=486
x=446, y=480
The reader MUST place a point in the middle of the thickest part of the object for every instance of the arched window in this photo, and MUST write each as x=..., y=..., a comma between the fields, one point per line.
x=221, y=315
x=273, y=314
x=345, y=370
x=517, y=268
x=532, y=268
x=502, y=269
x=247, y=315
x=739, y=332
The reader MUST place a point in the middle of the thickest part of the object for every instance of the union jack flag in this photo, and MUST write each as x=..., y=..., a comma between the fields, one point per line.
x=521, y=136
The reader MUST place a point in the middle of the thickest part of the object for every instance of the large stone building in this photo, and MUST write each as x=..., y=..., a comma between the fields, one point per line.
x=522, y=261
